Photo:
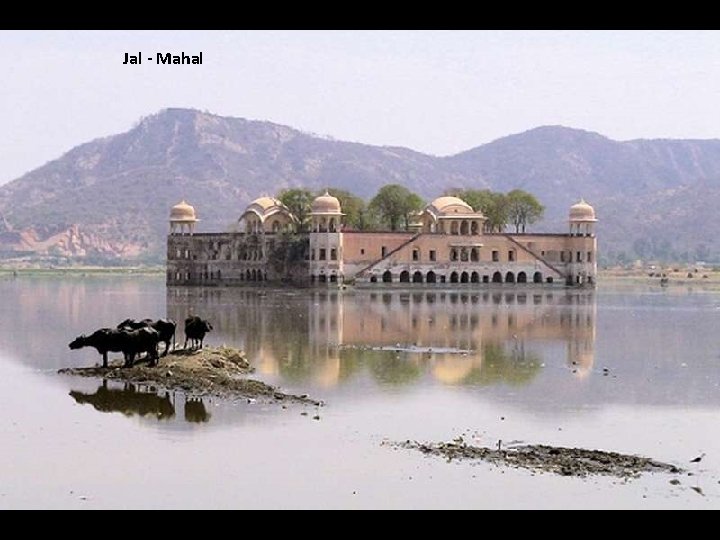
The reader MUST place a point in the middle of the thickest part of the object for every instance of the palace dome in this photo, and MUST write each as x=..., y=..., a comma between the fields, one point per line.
x=265, y=207
x=266, y=203
x=582, y=211
x=326, y=204
x=182, y=212
x=451, y=205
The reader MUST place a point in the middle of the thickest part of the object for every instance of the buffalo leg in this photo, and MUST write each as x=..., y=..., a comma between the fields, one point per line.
x=129, y=359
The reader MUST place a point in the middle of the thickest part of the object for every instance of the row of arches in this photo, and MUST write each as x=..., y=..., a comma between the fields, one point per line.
x=322, y=278
x=255, y=226
x=325, y=225
x=462, y=277
x=465, y=254
x=250, y=255
x=253, y=275
x=460, y=227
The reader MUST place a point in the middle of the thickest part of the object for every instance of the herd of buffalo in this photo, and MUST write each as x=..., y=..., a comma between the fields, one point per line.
x=132, y=338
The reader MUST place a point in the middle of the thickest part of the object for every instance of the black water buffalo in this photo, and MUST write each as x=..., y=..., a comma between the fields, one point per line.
x=128, y=342
x=195, y=330
x=142, y=340
x=165, y=327
x=104, y=340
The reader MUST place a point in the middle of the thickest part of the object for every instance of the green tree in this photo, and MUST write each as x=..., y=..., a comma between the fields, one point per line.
x=394, y=205
x=496, y=210
x=523, y=209
x=353, y=207
x=299, y=202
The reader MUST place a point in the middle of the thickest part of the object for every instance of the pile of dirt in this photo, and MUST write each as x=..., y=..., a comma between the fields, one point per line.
x=218, y=371
x=554, y=459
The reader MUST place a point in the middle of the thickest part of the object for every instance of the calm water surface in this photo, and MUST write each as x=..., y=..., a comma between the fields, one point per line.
x=511, y=364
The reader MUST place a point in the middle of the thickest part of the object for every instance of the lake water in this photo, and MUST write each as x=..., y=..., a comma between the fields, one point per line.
x=634, y=370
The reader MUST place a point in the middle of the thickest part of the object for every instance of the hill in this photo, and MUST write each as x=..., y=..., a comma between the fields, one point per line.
x=108, y=199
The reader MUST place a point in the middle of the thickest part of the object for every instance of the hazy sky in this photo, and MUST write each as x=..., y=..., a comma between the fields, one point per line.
x=436, y=92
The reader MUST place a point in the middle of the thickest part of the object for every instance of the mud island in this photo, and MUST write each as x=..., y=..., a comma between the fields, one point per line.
x=221, y=371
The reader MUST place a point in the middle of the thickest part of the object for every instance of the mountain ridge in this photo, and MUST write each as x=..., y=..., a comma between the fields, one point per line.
x=111, y=195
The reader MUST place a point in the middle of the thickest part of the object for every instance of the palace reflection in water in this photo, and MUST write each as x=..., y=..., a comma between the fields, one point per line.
x=465, y=337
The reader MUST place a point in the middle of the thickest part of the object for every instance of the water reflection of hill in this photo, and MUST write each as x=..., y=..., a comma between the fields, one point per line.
x=41, y=315
x=329, y=337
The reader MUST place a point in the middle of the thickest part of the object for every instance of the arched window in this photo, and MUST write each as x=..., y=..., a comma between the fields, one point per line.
x=322, y=278
x=464, y=228
x=497, y=277
x=454, y=277
x=373, y=279
x=474, y=254
x=522, y=277
x=417, y=277
x=464, y=278
x=454, y=227
x=474, y=277
x=509, y=277
x=537, y=277
x=331, y=227
x=430, y=277
x=387, y=277
x=474, y=228
x=404, y=276
x=333, y=278
x=463, y=254
x=453, y=254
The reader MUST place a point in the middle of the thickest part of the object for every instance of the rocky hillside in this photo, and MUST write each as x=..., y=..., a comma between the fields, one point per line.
x=108, y=200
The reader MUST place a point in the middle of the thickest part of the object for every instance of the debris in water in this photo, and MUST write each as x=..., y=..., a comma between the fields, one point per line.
x=554, y=459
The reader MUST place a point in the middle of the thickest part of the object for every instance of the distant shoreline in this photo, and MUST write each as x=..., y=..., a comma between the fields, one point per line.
x=83, y=271
x=614, y=277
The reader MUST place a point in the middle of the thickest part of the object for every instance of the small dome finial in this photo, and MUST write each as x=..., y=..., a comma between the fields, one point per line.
x=183, y=212
x=582, y=211
x=326, y=203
